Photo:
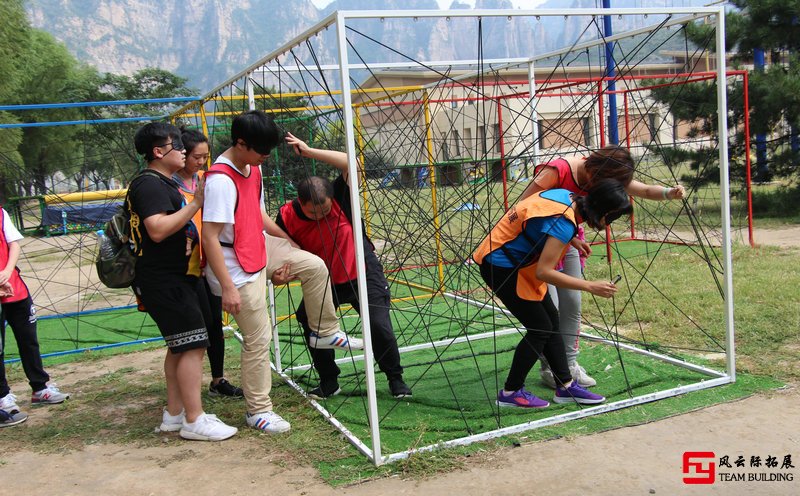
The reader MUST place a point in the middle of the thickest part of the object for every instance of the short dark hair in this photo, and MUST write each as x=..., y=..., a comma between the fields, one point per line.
x=314, y=189
x=257, y=129
x=152, y=135
x=606, y=198
x=609, y=162
x=191, y=138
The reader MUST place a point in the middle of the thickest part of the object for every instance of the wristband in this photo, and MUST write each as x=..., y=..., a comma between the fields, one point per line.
x=664, y=192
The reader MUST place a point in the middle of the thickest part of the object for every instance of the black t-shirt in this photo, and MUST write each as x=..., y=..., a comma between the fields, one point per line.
x=165, y=263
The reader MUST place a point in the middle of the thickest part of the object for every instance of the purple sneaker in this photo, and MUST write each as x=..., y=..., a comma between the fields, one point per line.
x=576, y=394
x=520, y=399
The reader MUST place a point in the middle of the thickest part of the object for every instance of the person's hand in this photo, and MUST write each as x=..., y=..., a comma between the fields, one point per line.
x=4, y=276
x=603, y=289
x=584, y=249
x=200, y=191
x=283, y=275
x=231, y=301
x=676, y=193
x=6, y=289
x=299, y=146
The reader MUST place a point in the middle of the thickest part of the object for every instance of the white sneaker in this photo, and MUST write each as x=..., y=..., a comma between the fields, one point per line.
x=547, y=377
x=171, y=423
x=50, y=395
x=338, y=341
x=9, y=404
x=579, y=374
x=269, y=422
x=207, y=428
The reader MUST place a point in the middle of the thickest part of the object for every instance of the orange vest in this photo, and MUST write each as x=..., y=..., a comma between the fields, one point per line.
x=511, y=226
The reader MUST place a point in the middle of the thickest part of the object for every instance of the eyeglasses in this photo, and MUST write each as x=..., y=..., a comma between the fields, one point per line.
x=176, y=143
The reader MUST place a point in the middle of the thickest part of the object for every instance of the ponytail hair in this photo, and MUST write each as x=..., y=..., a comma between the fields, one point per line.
x=608, y=199
x=609, y=162
x=191, y=138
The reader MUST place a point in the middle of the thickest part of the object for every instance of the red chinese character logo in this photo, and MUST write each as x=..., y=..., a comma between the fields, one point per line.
x=701, y=465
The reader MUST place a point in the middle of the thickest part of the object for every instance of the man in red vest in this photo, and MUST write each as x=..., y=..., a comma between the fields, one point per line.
x=320, y=221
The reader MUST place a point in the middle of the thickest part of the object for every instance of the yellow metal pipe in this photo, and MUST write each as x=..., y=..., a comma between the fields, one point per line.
x=432, y=175
x=362, y=171
x=85, y=196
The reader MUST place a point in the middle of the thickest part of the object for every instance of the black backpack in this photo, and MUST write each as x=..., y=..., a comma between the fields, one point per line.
x=117, y=253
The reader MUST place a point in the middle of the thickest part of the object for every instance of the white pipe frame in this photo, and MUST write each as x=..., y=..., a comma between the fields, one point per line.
x=339, y=19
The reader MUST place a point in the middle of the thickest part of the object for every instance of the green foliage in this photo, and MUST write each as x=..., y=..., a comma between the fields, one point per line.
x=14, y=34
x=771, y=25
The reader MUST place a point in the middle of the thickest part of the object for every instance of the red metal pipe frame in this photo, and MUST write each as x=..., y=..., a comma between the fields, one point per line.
x=748, y=180
x=695, y=77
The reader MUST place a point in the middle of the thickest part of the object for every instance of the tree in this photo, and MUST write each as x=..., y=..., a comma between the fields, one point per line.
x=50, y=74
x=771, y=25
x=14, y=34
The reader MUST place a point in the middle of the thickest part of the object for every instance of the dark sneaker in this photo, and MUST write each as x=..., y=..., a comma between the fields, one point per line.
x=576, y=394
x=399, y=388
x=225, y=388
x=8, y=419
x=324, y=391
x=520, y=399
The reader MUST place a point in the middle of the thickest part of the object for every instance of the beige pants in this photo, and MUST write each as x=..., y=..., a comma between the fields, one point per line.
x=254, y=325
x=313, y=275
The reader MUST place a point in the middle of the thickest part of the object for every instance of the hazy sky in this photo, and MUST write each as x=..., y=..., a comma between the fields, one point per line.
x=443, y=4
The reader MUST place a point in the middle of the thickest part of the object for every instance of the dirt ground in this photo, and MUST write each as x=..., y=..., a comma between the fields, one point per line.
x=644, y=459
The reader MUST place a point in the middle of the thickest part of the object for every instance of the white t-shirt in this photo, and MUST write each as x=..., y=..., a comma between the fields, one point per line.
x=218, y=206
x=9, y=231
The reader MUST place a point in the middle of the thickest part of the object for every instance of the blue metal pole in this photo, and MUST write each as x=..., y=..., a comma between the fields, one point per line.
x=613, y=127
x=762, y=168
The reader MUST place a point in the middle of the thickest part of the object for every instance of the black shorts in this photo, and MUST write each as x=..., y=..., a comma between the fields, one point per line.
x=176, y=312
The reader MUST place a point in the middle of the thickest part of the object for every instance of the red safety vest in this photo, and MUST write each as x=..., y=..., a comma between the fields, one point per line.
x=507, y=229
x=565, y=178
x=248, y=240
x=330, y=238
x=17, y=284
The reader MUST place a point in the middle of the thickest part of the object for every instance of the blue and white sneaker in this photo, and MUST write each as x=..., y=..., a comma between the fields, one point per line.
x=269, y=422
x=337, y=341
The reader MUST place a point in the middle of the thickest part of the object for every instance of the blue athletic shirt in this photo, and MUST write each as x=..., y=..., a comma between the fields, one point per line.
x=537, y=229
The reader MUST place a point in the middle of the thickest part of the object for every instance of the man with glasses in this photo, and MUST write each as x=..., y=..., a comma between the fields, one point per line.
x=166, y=279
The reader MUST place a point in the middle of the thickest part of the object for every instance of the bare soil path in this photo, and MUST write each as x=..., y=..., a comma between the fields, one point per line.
x=644, y=459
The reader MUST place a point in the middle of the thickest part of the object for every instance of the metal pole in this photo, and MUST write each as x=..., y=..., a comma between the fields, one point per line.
x=432, y=173
x=363, y=298
x=613, y=128
x=727, y=260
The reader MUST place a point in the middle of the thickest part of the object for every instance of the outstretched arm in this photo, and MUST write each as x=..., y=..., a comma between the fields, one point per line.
x=652, y=192
x=330, y=157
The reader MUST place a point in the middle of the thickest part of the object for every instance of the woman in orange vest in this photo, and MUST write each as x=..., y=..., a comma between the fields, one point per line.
x=518, y=259
x=577, y=174
x=197, y=153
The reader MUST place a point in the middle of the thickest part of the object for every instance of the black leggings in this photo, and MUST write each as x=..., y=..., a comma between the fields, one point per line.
x=540, y=319
x=21, y=316
x=216, y=336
